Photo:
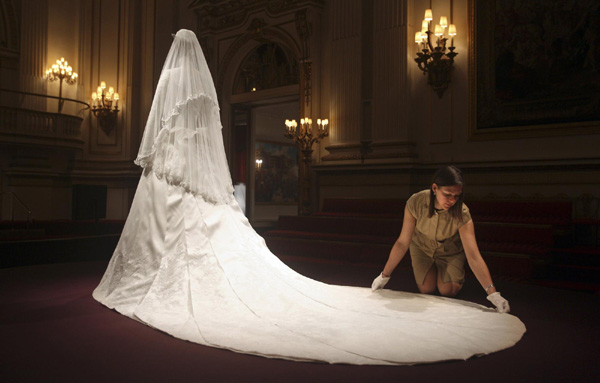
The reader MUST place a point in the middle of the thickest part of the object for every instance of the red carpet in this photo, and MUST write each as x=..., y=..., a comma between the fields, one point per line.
x=53, y=331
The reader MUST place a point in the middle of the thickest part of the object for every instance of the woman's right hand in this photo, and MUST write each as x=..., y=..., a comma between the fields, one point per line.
x=379, y=282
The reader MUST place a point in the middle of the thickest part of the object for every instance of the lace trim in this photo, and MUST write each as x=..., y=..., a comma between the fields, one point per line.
x=145, y=161
x=224, y=198
x=219, y=195
x=176, y=111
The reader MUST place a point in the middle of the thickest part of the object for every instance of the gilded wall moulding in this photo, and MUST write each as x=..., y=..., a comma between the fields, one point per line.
x=376, y=150
x=304, y=29
x=219, y=15
x=9, y=37
x=256, y=28
x=207, y=44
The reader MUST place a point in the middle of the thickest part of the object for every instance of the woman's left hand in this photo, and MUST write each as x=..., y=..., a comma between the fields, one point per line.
x=500, y=303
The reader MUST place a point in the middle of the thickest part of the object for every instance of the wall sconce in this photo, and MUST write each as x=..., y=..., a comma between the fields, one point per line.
x=259, y=164
x=103, y=109
x=436, y=62
x=305, y=138
x=61, y=71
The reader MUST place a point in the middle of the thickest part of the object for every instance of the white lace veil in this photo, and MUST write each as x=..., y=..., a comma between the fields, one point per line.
x=182, y=141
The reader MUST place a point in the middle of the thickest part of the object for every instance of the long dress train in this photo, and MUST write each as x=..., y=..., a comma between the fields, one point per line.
x=189, y=263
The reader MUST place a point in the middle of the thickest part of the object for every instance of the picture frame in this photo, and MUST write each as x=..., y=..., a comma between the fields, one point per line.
x=533, y=68
x=276, y=176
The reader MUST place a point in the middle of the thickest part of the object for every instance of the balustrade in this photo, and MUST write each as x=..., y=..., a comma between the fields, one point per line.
x=25, y=126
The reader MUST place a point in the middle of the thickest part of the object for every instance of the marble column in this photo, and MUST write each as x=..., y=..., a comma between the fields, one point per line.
x=391, y=106
x=345, y=72
x=34, y=32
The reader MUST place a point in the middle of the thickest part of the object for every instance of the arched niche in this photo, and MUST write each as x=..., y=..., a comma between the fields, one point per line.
x=267, y=66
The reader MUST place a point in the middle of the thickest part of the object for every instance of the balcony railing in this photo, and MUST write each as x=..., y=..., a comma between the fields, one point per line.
x=14, y=197
x=25, y=126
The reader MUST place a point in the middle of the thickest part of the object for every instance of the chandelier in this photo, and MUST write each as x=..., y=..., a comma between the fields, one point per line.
x=435, y=57
x=61, y=71
x=105, y=106
x=304, y=138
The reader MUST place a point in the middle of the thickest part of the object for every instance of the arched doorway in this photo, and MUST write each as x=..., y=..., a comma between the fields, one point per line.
x=264, y=93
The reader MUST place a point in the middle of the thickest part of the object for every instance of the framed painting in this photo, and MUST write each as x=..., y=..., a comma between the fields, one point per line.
x=534, y=68
x=276, y=173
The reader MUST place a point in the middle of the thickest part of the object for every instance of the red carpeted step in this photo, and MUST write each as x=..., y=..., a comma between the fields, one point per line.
x=522, y=211
x=579, y=255
x=364, y=207
x=593, y=288
x=330, y=250
x=339, y=225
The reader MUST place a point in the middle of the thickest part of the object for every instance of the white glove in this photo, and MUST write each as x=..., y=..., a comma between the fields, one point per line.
x=379, y=282
x=500, y=303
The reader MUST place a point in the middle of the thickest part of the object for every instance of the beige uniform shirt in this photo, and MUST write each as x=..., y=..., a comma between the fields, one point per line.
x=436, y=240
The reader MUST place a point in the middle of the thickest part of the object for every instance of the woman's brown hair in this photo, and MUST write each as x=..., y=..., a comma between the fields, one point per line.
x=447, y=176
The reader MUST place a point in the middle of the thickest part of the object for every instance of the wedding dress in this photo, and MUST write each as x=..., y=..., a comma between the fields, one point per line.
x=189, y=263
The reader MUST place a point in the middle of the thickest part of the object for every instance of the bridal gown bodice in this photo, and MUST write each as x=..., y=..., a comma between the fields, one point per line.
x=198, y=271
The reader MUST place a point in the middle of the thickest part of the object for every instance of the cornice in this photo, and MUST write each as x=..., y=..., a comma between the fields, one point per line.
x=222, y=15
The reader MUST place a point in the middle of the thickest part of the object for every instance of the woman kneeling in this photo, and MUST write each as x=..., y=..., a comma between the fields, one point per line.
x=439, y=231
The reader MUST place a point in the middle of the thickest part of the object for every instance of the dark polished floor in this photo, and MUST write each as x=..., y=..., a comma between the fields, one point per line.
x=52, y=330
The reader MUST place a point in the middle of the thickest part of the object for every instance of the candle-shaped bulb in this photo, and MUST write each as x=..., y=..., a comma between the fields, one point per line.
x=438, y=30
x=428, y=15
x=102, y=84
x=452, y=30
x=111, y=90
x=94, y=96
x=418, y=38
x=62, y=59
x=116, y=96
x=444, y=22
x=301, y=121
x=424, y=26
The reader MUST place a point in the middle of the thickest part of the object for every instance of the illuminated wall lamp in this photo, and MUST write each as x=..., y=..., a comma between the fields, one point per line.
x=436, y=59
x=105, y=106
